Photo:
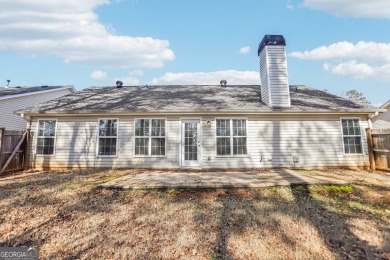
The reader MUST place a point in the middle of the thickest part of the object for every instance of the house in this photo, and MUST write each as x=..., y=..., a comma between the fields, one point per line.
x=202, y=126
x=16, y=98
x=383, y=120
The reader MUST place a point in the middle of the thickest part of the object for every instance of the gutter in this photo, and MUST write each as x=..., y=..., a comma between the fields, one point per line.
x=105, y=113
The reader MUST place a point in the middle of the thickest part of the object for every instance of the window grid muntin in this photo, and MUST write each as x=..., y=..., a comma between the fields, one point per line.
x=154, y=130
x=46, y=136
x=352, y=138
x=108, y=137
x=237, y=131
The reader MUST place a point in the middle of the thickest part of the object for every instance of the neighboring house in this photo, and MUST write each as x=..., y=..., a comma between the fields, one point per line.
x=383, y=120
x=220, y=126
x=16, y=98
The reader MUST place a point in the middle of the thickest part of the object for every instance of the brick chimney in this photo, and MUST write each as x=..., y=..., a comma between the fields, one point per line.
x=273, y=71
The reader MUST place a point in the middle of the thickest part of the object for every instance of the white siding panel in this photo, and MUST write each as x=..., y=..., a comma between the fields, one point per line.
x=272, y=142
x=76, y=146
x=263, y=78
x=7, y=107
x=274, y=82
x=382, y=121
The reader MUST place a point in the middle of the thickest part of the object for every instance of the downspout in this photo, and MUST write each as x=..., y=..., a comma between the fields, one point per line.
x=28, y=120
x=370, y=117
x=27, y=148
x=370, y=144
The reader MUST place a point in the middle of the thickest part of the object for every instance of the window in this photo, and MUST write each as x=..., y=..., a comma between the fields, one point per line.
x=46, y=136
x=231, y=137
x=352, y=138
x=108, y=135
x=149, y=137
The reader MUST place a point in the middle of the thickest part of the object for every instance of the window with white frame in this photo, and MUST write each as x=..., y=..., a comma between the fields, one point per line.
x=46, y=136
x=149, y=137
x=352, y=137
x=231, y=136
x=108, y=136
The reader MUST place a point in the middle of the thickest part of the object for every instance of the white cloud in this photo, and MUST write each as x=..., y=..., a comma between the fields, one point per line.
x=71, y=30
x=354, y=8
x=360, y=61
x=245, y=50
x=209, y=78
x=135, y=73
x=359, y=70
x=366, y=51
x=98, y=74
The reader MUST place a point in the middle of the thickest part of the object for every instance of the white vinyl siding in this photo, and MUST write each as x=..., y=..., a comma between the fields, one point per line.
x=275, y=91
x=11, y=121
x=264, y=78
x=383, y=120
x=272, y=141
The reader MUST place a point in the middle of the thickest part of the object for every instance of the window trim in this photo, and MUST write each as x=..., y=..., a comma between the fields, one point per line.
x=55, y=138
x=98, y=137
x=231, y=155
x=150, y=137
x=342, y=137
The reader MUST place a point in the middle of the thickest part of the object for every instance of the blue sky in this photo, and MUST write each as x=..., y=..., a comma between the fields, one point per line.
x=336, y=45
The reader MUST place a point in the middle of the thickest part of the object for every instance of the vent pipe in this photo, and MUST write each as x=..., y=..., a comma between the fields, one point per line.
x=119, y=84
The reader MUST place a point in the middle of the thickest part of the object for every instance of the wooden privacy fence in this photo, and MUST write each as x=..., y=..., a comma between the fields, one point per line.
x=13, y=150
x=379, y=148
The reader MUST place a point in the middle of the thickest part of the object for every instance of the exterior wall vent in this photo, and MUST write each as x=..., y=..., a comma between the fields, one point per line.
x=275, y=91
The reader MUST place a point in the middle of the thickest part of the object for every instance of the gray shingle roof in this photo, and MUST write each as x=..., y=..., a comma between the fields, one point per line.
x=190, y=99
x=11, y=91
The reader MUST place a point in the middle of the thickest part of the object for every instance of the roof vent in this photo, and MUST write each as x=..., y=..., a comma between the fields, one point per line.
x=18, y=87
x=44, y=86
x=223, y=83
x=119, y=84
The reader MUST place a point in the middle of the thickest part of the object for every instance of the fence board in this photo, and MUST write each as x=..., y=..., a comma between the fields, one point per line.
x=381, y=147
x=9, y=139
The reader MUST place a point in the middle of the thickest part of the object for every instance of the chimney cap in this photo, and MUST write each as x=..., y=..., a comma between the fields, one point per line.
x=271, y=40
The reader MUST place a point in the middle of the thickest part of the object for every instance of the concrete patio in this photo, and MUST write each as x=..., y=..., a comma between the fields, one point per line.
x=210, y=180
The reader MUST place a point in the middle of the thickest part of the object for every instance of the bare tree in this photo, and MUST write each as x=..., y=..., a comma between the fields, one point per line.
x=357, y=96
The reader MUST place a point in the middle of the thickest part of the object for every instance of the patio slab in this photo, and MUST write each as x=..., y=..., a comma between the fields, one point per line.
x=207, y=180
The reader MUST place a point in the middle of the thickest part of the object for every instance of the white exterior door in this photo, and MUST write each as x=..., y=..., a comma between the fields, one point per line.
x=191, y=141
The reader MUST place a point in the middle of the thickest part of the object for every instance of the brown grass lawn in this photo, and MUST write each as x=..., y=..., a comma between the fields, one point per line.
x=68, y=216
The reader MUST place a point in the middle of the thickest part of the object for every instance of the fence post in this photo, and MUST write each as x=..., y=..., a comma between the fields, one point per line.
x=27, y=151
x=370, y=149
x=2, y=129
